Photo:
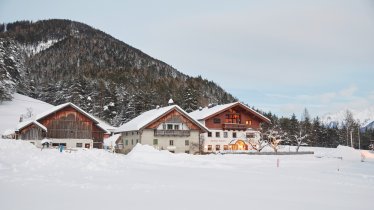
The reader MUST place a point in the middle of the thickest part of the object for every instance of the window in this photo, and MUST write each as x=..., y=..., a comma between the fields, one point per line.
x=132, y=141
x=79, y=144
x=232, y=117
x=58, y=144
x=250, y=135
x=171, y=142
x=186, y=142
x=225, y=147
x=176, y=127
x=209, y=147
x=218, y=147
x=136, y=141
x=170, y=127
x=126, y=134
x=209, y=134
x=218, y=134
x=234, y=134
x=187, y=151
x=248, y=122
x=225, y=135
x=126, y=142
x=216, y=120
x=155, y=141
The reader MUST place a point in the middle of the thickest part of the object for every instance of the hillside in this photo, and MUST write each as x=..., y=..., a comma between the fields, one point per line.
x=11, y=111
x=61, y=60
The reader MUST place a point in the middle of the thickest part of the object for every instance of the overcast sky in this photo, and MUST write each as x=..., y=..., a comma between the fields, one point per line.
x=279, y=56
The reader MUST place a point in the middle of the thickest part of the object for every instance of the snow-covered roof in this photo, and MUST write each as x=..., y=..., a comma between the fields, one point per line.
x=57, y=108
x=105, y=125
x=202, y=114
x=111, y=141
x=27, y=123
x=150, y=116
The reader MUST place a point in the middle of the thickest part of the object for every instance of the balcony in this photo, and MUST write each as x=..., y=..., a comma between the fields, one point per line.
x=172, y=133
x=234, y=126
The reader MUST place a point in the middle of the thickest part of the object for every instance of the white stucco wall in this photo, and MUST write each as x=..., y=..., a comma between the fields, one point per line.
x=179, y=146
x=70, y=143
x=213, y=140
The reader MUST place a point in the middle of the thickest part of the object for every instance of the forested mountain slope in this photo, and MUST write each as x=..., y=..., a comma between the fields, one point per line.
x=61, y=60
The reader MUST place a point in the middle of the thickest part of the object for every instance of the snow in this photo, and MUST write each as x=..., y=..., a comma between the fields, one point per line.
x=111, y=141
x=10, y=111
x=26, y=123
x=8, y=132
x=150, y=179
x=40, y=46
x=149, y=116
x=365, y=116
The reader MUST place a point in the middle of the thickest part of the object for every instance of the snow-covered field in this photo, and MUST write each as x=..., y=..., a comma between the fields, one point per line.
x=10, y=111
x=151, y=179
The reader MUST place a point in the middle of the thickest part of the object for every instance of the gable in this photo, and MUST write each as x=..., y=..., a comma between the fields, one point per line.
x=70, y=113
x=244, y=111
x=173, y=116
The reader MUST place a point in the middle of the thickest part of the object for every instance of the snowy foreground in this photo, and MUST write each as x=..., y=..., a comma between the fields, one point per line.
x=150, y=179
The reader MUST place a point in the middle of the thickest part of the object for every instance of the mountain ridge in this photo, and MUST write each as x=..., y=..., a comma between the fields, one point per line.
x=365, y=117
x=62, y=60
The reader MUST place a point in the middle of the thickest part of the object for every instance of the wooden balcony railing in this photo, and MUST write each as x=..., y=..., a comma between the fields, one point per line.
x=172, y=133
x=234, y=126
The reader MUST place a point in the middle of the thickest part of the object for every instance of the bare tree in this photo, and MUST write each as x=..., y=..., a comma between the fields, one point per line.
x=274, y=137
x=299, y=139
x=260, y=144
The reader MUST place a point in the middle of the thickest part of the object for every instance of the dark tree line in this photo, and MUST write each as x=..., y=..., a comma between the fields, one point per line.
x=317, y=134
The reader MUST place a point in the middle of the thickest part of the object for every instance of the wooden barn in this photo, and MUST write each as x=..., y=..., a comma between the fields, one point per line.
x=66, y=125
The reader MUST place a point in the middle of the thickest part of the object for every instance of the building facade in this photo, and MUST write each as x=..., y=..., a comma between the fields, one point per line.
x=167, y=128
x=232, y=127
x=66, y=125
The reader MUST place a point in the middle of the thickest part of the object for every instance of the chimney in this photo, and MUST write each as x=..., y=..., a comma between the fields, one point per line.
x=170, y=102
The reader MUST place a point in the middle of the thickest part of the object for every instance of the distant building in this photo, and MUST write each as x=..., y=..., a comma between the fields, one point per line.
x=66, y=125
x=167, y=128
x=232, y=126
